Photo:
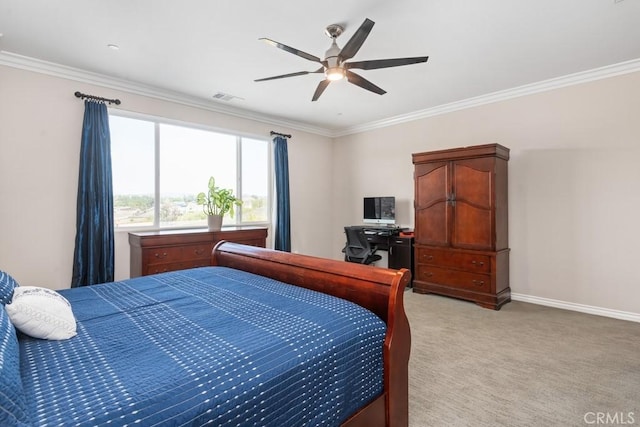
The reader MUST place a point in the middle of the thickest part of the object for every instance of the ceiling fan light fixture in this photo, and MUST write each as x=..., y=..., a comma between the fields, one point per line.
x=335, y=65
x=334, y=73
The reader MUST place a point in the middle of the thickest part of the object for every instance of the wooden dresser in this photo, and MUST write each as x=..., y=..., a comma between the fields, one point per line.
x=461, y=230
x=167, y=250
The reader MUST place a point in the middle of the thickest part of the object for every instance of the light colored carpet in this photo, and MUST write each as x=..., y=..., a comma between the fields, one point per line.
x=525, y=365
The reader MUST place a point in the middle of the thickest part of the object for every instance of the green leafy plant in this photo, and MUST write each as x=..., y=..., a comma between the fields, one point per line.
x=217, y=201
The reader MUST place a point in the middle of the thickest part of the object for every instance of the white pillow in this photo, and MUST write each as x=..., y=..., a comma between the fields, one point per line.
x=41, y=313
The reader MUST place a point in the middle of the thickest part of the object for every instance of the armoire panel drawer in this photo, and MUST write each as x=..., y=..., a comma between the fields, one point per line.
x=460, y=260
x=454, y=278
x=176, y=253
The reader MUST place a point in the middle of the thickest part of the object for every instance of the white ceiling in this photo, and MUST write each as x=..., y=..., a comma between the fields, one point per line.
x=200, y=47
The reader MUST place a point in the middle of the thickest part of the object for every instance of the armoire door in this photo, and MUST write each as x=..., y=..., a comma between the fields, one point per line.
x=472, y=199
x=432, y=208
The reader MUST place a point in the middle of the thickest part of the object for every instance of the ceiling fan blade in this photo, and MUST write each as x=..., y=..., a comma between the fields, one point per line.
x=290, y=49
x=385, y=63
x=299, y=73
x=321, y=87
x=363, y=83
x=355, y=42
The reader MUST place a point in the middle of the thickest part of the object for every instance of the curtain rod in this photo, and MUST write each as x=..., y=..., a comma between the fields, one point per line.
x=280, y=134
x=97, y=98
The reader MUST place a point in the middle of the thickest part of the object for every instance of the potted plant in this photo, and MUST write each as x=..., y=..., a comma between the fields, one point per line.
x=216, y=202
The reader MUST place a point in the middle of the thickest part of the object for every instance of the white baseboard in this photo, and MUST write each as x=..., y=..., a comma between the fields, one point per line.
x=598, y=311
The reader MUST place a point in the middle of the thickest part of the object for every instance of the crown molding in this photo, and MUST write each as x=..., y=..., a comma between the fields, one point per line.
x=62, y=71
x=529, y=89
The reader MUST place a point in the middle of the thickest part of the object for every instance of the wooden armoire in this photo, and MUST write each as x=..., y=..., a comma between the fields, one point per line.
x=461, y=230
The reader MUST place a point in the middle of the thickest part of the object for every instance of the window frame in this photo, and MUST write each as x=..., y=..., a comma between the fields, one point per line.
x=157, y=121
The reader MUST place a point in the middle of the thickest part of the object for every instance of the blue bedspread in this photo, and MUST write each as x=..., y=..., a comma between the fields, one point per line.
x=210, y=345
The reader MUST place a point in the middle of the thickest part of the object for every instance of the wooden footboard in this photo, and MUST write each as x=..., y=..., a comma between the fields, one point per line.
x=379, y=290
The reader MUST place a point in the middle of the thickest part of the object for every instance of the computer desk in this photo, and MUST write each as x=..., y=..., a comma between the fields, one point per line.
x=399, y=248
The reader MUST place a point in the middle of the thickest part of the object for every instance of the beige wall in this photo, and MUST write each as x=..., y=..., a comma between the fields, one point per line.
x=40, y=127
x=573, y=190
x=574, y=185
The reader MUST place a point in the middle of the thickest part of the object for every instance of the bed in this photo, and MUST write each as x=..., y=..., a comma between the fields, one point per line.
x=230, y=344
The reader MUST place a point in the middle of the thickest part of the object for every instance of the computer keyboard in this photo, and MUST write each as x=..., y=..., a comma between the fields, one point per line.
x=382, y=231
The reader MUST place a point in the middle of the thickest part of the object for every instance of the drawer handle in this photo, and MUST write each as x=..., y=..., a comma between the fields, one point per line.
x=429, y=274
x=198, y=251
x=481, y=263
x=430, y=258
x=478, y=282
x=161, y=256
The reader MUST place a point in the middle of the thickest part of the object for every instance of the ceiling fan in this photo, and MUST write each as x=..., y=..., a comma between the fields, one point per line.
x=334, y=66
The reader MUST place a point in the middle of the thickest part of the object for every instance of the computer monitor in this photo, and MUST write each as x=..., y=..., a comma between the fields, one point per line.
x=379, y=210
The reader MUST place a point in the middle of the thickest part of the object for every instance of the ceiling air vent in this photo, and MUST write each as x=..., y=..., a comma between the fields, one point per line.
x=221, y=96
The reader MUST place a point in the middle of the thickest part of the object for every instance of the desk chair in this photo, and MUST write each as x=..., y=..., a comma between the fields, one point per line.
x=358, y=249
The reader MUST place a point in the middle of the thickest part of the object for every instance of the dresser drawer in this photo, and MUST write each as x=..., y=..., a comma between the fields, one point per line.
x=177, y=253
x=172, y=266
x=252, y=242
x=461, y=260
x=454, y=278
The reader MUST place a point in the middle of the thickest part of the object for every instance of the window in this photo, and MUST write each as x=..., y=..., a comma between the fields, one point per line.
x=159, y=167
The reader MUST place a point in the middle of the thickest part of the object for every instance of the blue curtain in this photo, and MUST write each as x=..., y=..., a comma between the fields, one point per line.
x=283, y=214
x=93, y=259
